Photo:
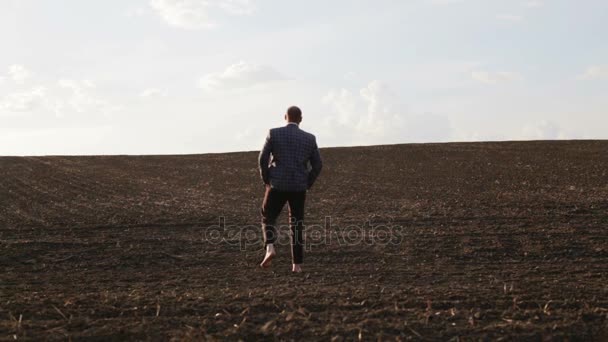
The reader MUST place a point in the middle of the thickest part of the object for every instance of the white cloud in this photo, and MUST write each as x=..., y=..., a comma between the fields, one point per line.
x=381, y=111
x=543, y=130
x=240, y=75
x=496, y=77
x=344, y=106
x=24, y=101
x=80, y=99
x=197, y=14
x=65, y=97
x=510, y=17
x=375, y=116
x=154, y=92
x=595, y=72
x=19, y=73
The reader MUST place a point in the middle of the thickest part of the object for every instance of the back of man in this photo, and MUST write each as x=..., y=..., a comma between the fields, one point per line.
x=292, y=151
x=289, y=163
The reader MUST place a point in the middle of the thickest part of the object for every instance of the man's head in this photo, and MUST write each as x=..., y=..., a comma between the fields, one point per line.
x=294, y=114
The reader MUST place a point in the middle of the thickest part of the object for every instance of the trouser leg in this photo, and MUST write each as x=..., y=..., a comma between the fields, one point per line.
x=271, y=208
x=296, y=223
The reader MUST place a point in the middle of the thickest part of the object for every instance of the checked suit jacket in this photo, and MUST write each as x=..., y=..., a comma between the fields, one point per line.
x=290, y=159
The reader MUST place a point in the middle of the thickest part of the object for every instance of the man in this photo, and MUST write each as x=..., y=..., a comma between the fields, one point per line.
x=289, y=165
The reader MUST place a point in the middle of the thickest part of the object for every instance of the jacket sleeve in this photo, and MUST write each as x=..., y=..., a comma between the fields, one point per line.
x=264, y=159
x=315, y=163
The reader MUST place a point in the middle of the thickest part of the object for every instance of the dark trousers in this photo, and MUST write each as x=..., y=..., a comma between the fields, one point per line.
x=274, y=201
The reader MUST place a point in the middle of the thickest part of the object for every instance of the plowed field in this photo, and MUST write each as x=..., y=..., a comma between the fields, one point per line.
x=404, y=242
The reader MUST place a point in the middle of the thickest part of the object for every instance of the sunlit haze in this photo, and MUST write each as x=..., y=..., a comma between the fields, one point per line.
x=196, y=76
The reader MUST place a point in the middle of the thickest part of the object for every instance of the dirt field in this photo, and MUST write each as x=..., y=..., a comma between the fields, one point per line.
x=488, y=241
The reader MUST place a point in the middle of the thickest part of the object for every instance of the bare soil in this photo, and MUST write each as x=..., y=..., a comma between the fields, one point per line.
x=487, y=241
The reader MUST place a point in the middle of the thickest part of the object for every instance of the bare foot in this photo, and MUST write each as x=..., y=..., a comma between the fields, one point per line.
x=270, y=253
x=296, y=268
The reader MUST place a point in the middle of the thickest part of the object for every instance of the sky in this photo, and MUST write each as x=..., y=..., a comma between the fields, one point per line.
x=197, y=76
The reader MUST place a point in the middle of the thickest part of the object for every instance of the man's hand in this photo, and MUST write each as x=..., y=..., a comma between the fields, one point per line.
x=264, y=159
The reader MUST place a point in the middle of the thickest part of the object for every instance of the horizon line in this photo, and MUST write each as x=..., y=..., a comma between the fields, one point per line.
x=321, y=148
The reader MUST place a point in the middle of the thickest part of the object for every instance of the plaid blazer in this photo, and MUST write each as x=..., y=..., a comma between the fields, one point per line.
x=290, y=159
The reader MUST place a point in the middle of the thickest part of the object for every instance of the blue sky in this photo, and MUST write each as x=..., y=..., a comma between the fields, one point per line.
x=194, y=76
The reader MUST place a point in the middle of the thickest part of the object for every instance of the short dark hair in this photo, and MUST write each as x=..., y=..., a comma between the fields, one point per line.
x=294, y=113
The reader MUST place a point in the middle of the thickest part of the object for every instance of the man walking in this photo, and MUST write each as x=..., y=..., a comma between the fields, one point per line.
x=289, y=165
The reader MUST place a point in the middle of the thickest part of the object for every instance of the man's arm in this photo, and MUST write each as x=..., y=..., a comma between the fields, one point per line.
x=264, y=159
x=315, y=163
